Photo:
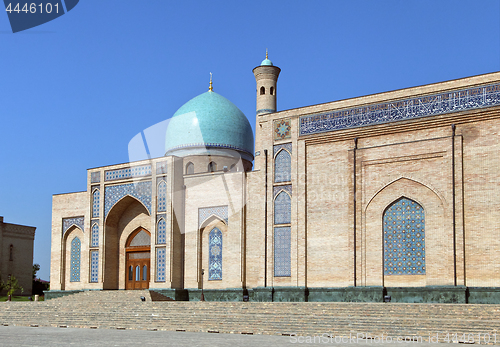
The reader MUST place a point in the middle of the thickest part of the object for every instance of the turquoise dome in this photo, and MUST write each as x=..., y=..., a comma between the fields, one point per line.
x=209, y=121
x=266, y=62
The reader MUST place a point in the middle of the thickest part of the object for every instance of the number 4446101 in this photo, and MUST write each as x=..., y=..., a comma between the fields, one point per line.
x=471, y=338
x=33, y=8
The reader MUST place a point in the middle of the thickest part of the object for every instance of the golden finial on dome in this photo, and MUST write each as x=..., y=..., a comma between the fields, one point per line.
x=266, y=54
x=210, y=88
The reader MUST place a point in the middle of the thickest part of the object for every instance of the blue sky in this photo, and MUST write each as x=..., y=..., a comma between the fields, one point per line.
x=76, y=90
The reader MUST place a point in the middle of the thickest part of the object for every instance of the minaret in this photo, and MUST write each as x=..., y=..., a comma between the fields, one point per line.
x=266, y=76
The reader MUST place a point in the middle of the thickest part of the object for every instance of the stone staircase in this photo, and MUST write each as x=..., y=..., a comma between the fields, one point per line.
x=105, y=296
x=125, y=310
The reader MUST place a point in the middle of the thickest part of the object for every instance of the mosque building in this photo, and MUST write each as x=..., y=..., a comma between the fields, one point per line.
x=394, y=194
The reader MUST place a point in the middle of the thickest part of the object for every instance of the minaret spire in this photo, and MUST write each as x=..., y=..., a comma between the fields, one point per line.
x=266, y=78
x=210, y=88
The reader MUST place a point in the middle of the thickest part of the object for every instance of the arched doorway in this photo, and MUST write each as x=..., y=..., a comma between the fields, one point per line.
x=138, y=259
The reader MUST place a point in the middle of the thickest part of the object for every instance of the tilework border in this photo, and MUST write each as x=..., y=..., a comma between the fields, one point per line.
x=139, y=190
x=68, y=222
x=277, y=189
x=218, y=211
x=287, y=146
x=128, y=172
x=430, y=105
x=95, y=177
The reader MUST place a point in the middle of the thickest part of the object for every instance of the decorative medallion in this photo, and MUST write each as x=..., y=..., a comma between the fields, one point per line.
x=282, y=129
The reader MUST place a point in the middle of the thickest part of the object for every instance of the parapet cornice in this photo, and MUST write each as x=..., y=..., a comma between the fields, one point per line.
x=19, y=229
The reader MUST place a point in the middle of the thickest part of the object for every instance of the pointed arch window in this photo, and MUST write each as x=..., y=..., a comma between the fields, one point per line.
x=161, y=233
x=212, y=166
x=282, y=167
x=215, y=255
x=160, y=264
x=94, y=266
x=282, y=208
x=95, y=236
x=162, y=196
x=95, y=203
x=271, y=91
x=282, y=251
x=76, y=248
x=404, y=238
x=262, y=90
x=189, y=168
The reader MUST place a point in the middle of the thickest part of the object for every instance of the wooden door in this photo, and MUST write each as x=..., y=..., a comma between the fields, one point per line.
x=137, y=271
x=138, y=260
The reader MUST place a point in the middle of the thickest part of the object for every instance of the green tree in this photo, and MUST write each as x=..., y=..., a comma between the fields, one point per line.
x=12, y=285
x=36, y=268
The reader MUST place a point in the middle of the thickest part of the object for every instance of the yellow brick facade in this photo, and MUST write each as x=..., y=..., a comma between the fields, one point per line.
x=342, y=182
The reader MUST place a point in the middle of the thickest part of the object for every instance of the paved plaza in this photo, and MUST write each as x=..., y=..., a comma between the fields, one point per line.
x=20, y=336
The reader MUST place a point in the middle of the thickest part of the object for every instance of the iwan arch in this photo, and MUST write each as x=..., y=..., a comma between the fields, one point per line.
x=394, y=193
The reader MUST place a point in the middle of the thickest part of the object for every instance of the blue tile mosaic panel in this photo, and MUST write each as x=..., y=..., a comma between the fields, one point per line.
x=139, y=190
x=161, y=262
x=162, y=197
x=215, y=255
x=282, y=167
x=286, y=188
x=161, y=232
x=282, y=209
x=218, y=211
x=161, y=168
x=69, y=222
x=287, y=146
x=282, y=129
x=76, y=248
x=404, y=238
x=95, y=177
x=129, y=172
x=96, y=195
x=282, y=252
x=430, y=105
x=94, y=238
x=94, y=266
